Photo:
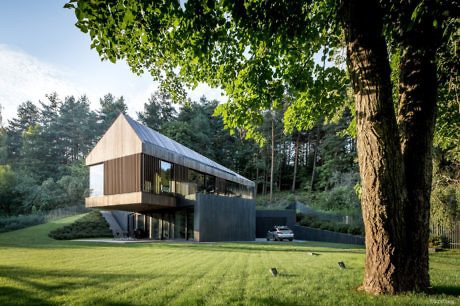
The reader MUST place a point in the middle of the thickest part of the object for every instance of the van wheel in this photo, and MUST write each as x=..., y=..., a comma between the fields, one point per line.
x=268, y=239
x=290, y=239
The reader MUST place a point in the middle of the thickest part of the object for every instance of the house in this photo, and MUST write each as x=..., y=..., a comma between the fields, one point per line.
x=169, y=190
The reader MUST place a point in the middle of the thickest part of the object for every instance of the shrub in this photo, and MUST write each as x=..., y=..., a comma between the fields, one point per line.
x=315, y=222
x=356, y=230
x=299, y=216
x=438, y=241
x=17, y=222
x=92, y=225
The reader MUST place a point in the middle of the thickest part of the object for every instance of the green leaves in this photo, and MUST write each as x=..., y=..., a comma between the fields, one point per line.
x=257, y=53
x=69, y=6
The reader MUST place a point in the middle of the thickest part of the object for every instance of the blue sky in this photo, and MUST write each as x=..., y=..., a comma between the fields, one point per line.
x=41, y=51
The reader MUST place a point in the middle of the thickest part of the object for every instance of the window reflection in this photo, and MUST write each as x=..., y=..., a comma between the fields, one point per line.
x=210, y=184
x=196, y=180
x=158, y=177
x=96, y=180
x=165, y=177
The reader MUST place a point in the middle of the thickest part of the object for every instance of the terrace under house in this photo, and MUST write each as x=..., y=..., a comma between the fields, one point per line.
x=166, y=190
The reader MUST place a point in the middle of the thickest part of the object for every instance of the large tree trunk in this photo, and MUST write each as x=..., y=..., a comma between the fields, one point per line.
x=416, y=119
x=383, y=196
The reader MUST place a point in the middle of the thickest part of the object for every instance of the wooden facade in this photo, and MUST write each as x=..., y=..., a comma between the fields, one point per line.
x=150, y=172
x=132, y=163
x=122, y=175
x=180, y=176
x=183, y=194
x=127, y=137
x=118, y=141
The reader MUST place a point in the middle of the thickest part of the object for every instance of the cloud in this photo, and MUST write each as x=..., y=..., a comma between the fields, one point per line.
x=24, y=77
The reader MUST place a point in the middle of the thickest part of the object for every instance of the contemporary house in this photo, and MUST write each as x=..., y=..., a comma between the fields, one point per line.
x=171, y=191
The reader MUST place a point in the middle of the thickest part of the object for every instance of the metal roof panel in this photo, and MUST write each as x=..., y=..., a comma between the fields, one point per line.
x=150, y=136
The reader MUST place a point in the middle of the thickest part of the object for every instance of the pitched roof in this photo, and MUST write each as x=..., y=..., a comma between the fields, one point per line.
x=155, y=139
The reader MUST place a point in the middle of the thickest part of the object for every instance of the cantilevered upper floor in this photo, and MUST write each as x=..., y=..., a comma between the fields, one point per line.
x=135, y=168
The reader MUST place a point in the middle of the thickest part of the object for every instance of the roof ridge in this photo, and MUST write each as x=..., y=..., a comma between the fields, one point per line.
x=176, y=146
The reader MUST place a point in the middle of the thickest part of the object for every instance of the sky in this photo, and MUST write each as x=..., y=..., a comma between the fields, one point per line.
x=42, y=51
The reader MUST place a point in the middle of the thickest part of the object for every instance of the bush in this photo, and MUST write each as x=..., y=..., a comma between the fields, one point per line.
x=356, y=230
x=17, y=222
x=438, y=242
x=315, y=222
x=92, y=225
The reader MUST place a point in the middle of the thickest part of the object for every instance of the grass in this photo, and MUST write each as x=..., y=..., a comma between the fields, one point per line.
x=35, y=269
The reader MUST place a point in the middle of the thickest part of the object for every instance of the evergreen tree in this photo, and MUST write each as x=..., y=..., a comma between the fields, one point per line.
x=111, y=107
x=76, y=128
x=27, y=116
x=157, y=111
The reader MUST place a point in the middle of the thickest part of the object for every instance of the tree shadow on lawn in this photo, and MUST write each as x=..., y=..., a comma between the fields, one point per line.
x=254, y=248
x=16, y=296
x=273, y=301
x=446, y=290
x=62, y=244
x=58, y=284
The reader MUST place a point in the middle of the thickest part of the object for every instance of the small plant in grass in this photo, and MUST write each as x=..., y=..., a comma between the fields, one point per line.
x=92, y=225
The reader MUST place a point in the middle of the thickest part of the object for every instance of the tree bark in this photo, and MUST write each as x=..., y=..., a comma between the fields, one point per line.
x=296, y=157
x=257, y=177
x=416, y=119
x=315, y=155
x=383, y=195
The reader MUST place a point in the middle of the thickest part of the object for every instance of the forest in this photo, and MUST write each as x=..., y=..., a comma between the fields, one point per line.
x=42, y=153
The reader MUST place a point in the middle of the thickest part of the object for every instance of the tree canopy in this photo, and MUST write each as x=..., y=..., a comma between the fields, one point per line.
x=265, y=56
x=257, y=52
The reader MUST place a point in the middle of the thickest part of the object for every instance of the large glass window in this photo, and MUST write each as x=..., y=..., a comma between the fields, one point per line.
x=165, y=177
x=96, y=180
x=232, y=189
x=210, y=184
x=180, y=225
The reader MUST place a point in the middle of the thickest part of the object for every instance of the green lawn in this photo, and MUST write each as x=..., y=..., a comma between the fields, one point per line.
x=35, y=269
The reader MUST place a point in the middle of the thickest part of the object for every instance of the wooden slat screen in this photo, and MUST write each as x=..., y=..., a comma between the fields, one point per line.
x=220, y=186
x=122, y=175
x=180, y=177
x=151, y=172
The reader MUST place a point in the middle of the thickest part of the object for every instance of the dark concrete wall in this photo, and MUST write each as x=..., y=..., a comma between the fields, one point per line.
x=122, y=218
x=314, y=234
x=219, y=218
x=265, y=219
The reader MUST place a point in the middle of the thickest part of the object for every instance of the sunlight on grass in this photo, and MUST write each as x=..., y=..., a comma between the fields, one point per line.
x=35, y=269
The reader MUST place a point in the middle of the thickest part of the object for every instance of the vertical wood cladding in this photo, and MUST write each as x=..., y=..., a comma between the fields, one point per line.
x=142, y=172
x=151, y=171
x=221, y=186
x=180, y=178
x=122, y=175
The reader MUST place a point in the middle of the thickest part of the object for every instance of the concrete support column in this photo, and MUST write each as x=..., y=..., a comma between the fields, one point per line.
x=150, y=228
